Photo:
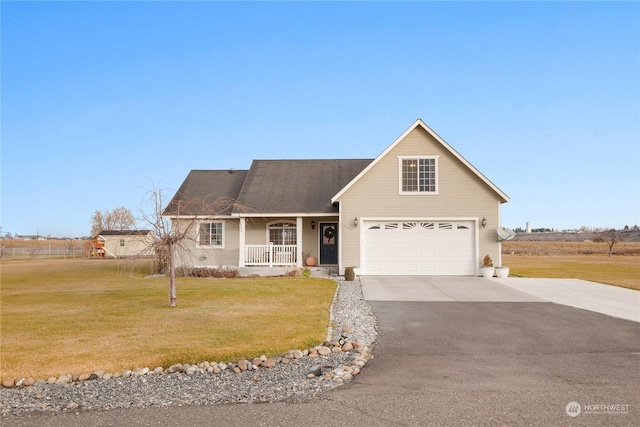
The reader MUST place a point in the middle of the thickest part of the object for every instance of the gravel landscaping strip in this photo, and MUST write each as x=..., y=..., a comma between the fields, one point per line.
x=301, y=378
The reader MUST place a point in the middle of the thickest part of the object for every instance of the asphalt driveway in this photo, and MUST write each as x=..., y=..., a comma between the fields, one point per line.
x=498, y=363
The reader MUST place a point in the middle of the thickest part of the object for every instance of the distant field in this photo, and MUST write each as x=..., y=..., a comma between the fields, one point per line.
x=568, y=248
x=79, y=315
x=618, y=270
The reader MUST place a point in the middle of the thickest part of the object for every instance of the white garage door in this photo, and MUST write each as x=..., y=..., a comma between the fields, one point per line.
x=419, y=248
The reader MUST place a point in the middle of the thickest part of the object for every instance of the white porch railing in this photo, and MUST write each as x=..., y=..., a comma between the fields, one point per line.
x=270, y=255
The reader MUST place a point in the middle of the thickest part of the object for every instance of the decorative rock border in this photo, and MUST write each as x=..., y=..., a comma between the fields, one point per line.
x=360, y=356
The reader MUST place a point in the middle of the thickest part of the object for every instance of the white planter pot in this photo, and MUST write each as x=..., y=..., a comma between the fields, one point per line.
x=487, y=272
x=502, y=272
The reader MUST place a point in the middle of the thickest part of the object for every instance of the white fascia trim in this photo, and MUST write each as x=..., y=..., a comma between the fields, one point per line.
x=417, y=123
x=466, y=163
x=282, y=215
x=375, y=161
x=251, y=215
x=200, y=217
x=419, y=218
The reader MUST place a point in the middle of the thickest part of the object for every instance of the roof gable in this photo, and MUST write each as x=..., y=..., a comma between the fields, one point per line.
x=442, y=142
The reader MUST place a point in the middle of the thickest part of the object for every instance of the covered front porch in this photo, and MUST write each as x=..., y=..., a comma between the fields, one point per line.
x=287, y=241
x=271, y=255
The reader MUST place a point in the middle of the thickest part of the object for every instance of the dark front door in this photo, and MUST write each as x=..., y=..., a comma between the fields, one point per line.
x=328, y=243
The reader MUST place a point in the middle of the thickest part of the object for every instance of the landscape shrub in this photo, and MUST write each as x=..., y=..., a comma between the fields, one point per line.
x=207, y=272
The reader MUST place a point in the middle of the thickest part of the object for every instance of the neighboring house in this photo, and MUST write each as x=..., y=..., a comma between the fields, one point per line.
x=29, y=237
x=418, y=208
x=122, y=243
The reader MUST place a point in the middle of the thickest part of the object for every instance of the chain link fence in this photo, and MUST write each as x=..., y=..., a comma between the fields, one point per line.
x=41, y=249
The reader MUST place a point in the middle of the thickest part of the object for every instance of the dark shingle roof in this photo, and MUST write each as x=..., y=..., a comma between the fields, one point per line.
x=270, y=186
x=203, y=190
x=297, y=186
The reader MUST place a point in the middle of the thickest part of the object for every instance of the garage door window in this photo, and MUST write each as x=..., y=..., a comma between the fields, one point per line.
x=418, y=175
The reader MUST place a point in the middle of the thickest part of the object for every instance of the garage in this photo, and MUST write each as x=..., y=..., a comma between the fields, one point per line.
x=420, y=247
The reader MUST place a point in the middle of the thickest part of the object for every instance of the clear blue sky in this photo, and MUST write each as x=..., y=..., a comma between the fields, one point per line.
x=103, y=100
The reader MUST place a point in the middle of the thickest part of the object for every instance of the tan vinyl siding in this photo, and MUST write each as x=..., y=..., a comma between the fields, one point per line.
x=461, y=194
x=134, y=245
x=192, y=254
x=256, y=232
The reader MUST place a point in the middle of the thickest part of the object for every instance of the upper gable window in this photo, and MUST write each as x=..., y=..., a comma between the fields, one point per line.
x=418, y=175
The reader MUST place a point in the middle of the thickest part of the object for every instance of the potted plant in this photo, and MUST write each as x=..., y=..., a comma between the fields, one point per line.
x=487, y=268
x=310, y=261
x=502, y=272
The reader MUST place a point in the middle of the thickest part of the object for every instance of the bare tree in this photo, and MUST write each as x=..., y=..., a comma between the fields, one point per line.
x=170, y=236
x=33, y=248
x=70, y=248
x=118, y=219
x=610, y=237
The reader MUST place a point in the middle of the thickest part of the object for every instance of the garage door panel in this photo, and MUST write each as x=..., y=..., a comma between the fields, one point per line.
x=419, y=247
x=447, y=242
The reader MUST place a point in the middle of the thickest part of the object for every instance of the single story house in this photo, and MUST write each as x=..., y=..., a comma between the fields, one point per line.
x=122, y=243
x=419, y=208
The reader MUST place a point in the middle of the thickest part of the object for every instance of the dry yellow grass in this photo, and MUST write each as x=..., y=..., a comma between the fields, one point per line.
x=616, y=270
x=75, y=316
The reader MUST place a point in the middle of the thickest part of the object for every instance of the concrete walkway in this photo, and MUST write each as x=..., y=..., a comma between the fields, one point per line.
x=606, y=299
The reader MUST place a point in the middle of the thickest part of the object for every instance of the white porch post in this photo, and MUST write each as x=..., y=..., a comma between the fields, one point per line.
x=299, y=242
x=241, y=259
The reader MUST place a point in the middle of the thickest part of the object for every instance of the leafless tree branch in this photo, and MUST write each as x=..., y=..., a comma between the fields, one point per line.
x=174, y=226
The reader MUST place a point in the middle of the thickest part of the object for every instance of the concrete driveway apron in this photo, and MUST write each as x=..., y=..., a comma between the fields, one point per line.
x=440, y=288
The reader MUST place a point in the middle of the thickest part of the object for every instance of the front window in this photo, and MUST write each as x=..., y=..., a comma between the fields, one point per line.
x=418, y=175
x=211, y=234
x=283, y=233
